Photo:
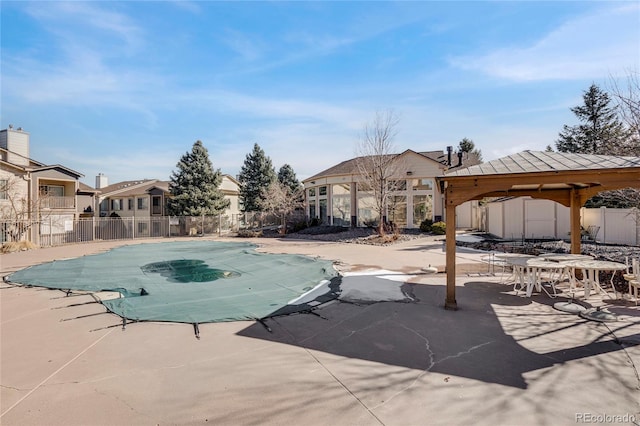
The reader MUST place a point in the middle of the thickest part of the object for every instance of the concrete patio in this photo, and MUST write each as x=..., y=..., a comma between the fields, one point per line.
x=500, y=359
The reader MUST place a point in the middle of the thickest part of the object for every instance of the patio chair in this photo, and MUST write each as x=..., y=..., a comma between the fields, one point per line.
x=633, y=269
x=633, y=277
x=589, y=235
x=634, y=289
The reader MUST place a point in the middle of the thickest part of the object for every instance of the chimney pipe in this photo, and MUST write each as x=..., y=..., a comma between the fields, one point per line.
x=459, y=159
x=449, y=150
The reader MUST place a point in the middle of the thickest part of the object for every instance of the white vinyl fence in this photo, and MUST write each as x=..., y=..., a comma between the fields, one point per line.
x=527, y=218
x=59, y=230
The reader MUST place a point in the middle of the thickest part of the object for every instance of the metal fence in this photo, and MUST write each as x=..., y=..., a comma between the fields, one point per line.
x=59, y=230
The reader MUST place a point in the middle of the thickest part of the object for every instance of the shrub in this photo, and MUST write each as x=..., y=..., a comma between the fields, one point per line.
x=371, y=223
x=439, y=228
x=248, y=233
x=316, y=221
x=298, y=226
x=425, y=225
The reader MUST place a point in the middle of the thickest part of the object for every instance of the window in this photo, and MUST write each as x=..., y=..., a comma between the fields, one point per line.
x=363, y=186
x=143, y=203
x=397, y=210
x=312, y=209
x=367, y=211
x=322, y=190
x=312, y=192
x=52, y=190
x=116, y=204
x=422, y=208
x=341, y=204
x=4, y=189
x=323, y=210
x=156, y=204
x=422, y=184
x=397, y=185
x=130, y=203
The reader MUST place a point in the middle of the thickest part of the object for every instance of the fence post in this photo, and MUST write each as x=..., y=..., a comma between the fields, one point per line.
x=603, y=224
x=50, y=231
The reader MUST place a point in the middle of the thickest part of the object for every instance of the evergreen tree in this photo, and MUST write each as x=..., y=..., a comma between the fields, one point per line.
x=600, y=132
x=469, y=148
x=287, y=177
x=195, y=185
x=255, y=176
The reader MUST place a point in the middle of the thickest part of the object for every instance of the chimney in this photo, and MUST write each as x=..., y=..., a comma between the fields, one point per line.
x=101, y=181
x=459, y=159
x=449, y=150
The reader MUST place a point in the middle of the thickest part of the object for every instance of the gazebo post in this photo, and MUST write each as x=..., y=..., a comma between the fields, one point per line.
x=450, y=245
x=576, y=234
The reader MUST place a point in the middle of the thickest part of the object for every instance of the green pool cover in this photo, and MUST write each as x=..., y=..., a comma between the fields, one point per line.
x=194, y=281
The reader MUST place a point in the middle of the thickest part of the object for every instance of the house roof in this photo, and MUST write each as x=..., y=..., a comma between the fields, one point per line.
x=350, y=167
x=63, y=169
x=161, y=184
x=4, y=155
x=35, y=166
x=125, y=186
x=538, y=161
x=139, y=188
x=83, y=187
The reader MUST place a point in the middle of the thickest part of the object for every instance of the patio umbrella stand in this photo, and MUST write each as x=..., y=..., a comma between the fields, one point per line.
x=570, y=307
x=599, y=315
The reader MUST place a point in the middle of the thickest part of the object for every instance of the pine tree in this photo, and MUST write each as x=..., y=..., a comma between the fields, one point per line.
x=601, y=131
x=287, y=177
x=255, y=176
x=468, y=147
x=195, y=185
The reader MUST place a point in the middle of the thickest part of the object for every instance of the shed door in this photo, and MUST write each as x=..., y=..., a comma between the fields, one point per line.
x=539, y=219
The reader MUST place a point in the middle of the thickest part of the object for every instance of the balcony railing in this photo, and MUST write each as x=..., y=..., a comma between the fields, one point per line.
x=51, y=202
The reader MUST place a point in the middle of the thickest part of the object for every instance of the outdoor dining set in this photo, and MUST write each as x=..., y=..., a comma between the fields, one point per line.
x=543, y=272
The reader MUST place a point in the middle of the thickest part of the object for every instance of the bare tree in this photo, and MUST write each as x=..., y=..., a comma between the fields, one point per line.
x=378, y=165
x=627, y=99
x=18, y=212
x=281, y=200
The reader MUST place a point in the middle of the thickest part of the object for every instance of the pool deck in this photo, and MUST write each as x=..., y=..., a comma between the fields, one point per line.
x=500, y=359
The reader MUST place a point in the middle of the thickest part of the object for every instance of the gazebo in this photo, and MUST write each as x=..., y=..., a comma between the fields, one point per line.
x=567, y=178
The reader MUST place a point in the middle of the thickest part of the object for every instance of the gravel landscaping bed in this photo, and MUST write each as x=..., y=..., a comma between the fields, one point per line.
x=356, y=235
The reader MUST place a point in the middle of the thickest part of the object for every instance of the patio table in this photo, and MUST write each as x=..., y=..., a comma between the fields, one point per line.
x=591, y=273
x=517, y=271
x=564, y=257
x=529, y=273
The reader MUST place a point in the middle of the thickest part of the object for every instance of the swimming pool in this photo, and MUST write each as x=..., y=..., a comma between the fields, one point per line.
x=193, y=281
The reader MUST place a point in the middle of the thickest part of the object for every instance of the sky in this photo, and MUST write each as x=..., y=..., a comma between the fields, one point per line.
x=125, y=88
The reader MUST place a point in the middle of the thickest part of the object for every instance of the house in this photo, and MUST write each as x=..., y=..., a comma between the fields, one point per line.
x=33, y=191
x=147, y=198
x=338, y=195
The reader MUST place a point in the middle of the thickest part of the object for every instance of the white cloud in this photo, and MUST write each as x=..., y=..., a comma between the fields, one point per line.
x=591, y=46
x=64, y=19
